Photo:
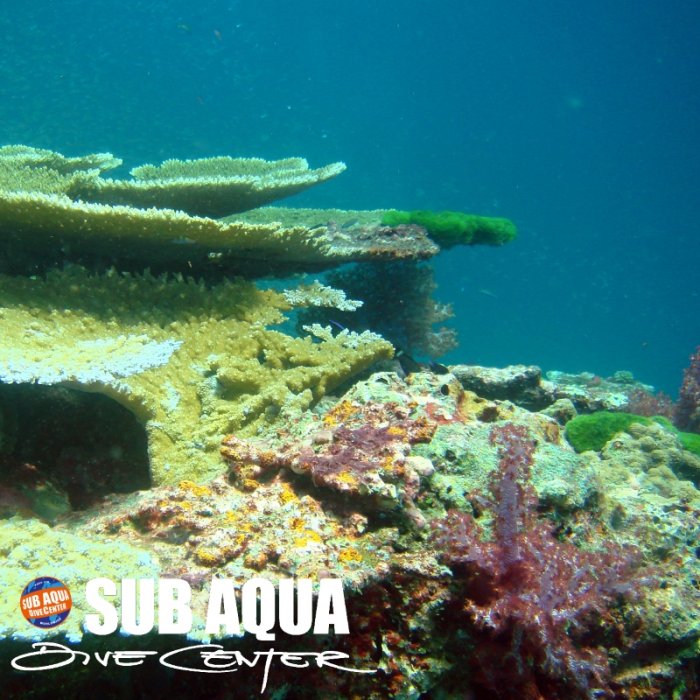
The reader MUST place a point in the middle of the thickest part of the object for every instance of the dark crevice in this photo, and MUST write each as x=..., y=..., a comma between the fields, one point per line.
x=59, y=444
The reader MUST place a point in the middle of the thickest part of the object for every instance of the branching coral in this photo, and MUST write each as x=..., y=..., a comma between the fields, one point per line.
x=398, y=303
x=536, y=604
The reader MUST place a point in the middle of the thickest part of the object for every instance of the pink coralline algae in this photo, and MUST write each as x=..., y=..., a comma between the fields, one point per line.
x=537, y=606
x=362, y=450
x=687, y=416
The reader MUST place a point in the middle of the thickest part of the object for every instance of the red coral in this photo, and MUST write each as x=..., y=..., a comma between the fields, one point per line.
x=533, y=601
x=687, y=416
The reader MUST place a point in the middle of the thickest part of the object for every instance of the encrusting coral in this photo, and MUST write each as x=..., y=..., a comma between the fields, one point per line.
x=191, y=362
x=362, y=452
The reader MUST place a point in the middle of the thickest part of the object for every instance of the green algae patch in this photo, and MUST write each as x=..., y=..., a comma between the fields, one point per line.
x=450, y=228
x=690, y=442
x=594, y=430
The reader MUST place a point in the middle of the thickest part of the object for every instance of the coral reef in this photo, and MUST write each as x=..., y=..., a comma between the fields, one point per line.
x=646, y=403
x=513, y=382
x=585, y=392
x=53, y=210
x=30, y=548
x=165, y=426
x=362, y=453
x=207, y=187
x=420, y=622
x=593, y=431
x=531, y=598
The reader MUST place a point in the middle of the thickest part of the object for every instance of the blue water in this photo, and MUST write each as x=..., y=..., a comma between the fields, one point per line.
x=577, y=120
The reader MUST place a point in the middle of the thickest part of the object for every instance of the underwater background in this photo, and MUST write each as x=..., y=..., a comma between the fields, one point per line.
x=577, y=121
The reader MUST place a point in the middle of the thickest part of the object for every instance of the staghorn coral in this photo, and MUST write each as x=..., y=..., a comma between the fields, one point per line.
x=535, y=603
x=191, y=362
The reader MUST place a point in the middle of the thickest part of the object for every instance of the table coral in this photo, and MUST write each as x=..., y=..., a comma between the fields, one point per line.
x=63, y=209
x=191, y=362
x=210, y=187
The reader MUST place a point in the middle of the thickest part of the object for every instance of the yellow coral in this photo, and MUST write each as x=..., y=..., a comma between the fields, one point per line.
x=207, y=556
x=194, y=489
x=192, y=363
x=287, y=495
x=339, y=413
x=307, y=537
x=350, y=555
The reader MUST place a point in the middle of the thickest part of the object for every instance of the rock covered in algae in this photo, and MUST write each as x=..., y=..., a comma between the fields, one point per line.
x=191, y=362
x=362, y=452
x=406, y=609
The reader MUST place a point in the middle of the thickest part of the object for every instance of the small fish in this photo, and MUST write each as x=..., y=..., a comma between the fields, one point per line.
x=409, y=365
x=337, y=325
x=488, y=293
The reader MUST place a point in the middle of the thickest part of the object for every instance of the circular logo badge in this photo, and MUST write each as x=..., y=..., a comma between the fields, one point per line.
x=45, y=602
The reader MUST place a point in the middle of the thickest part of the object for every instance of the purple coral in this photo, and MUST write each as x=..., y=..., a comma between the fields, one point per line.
x=687, y=416
x=535, y=603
